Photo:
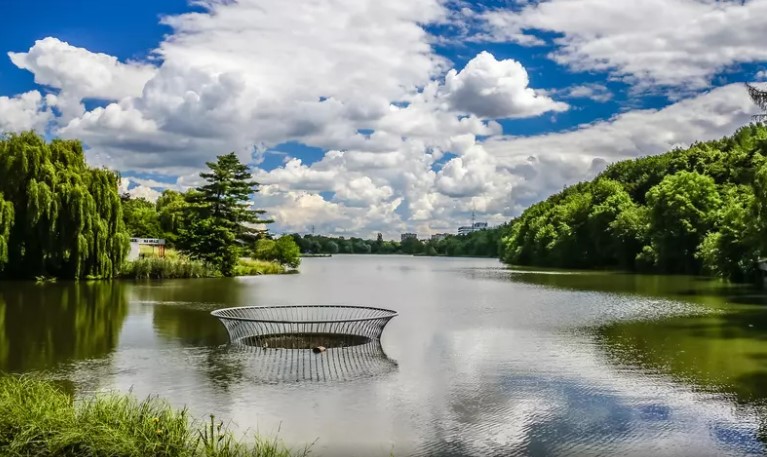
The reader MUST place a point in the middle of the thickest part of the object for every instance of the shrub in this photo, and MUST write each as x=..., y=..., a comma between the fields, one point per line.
x=284, y=251
x=253, y=267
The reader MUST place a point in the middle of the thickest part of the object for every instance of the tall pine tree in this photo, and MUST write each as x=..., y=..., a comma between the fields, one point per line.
x=221, y=214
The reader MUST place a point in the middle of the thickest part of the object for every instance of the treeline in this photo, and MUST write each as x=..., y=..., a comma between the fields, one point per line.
x=61, y=218
x=483, y=243
x=697, y=210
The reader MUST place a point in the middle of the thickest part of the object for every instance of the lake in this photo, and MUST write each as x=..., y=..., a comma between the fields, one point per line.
x=482, y=360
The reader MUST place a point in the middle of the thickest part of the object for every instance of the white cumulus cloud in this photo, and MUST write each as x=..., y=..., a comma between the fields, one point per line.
x=27, y=111
x=81, y=74
x=646, y=42
x=496, y=89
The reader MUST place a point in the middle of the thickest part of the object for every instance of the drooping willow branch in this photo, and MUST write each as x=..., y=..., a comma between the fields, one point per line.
x=760, y=98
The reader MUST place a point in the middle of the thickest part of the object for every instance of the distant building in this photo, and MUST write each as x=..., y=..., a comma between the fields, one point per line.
x=407, y=236
x=477, y=226
x=439, y=236
x=136, y=243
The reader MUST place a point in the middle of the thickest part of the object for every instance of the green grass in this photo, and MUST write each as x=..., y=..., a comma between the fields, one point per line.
x=171, y=266
x=178, y=265
x=252, y=267
x=38, y=419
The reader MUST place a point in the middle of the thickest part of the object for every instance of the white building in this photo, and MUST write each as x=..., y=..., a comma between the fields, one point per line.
x=465, y=230
x=136, y=243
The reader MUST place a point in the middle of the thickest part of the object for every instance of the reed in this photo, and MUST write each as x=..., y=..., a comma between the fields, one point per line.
x=253, y=267
x=167, y=268
x=39, y=419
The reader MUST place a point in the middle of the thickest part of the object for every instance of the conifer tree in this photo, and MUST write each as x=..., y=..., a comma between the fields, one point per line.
x=221, y=215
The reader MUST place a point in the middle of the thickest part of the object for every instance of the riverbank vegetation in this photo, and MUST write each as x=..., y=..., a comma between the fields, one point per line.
x=37, y=418
x=215, y=224
x=173, y=265
x=697, y=210
x=482, y=243
x=60, y=218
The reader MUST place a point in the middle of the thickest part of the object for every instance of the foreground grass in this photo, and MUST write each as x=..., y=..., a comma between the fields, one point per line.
x=37, y=419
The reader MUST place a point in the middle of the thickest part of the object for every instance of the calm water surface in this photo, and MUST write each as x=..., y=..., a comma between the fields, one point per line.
x=483, y=360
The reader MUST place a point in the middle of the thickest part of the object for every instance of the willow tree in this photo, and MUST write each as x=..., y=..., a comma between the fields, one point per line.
x=6, y=219
x=60, y=217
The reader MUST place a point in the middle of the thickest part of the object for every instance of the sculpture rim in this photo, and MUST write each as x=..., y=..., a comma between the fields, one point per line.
x=220, y=314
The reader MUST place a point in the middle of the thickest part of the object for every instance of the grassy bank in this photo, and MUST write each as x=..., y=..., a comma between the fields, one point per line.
x=37, y=419
x=253, y=267
x=176, y=265
x=167, y=268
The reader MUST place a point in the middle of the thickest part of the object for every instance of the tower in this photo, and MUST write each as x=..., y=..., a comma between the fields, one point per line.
x=759, y=97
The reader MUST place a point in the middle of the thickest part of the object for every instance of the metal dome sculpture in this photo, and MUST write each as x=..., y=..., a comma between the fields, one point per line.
x=760, y=98
x=308, y=342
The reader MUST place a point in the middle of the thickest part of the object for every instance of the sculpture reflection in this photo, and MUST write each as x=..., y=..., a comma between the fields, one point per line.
x=266, y=365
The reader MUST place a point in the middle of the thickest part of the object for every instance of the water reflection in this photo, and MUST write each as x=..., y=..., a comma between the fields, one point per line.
x=187, y=324
x=274, y=366
x=43, y=325
x=488, y=361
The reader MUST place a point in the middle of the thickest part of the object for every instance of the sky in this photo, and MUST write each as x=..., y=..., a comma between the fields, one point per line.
x=363, y=116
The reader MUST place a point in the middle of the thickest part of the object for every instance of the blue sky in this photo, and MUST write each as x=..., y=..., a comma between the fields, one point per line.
x=360, y=117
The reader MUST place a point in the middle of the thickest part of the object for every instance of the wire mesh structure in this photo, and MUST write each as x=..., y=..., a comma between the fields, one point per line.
x=283, y=341
x=304, y=326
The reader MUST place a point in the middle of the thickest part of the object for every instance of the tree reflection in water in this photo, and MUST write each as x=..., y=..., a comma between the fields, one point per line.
x=44, y=325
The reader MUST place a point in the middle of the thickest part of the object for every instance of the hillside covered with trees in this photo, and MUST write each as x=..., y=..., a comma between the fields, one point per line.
x=697, y=210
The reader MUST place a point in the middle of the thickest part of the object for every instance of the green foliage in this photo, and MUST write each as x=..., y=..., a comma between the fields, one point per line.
x=482, y=243
x=141, y=218
x=686, y=211
x=733, y=250
x=219, y=215
x=284, y=251
x=255, y=267
x=171, y=214
x=167, y=268
x=682, y=212
x=6, y=222
x=58, y=217
x=36, y=418
x=411, y=246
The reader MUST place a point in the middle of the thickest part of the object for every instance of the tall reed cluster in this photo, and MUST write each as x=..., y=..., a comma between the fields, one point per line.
x=38, y=419
x=167, y=268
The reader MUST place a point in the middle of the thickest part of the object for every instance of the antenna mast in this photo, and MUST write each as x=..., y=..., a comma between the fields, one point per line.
x=760, y=98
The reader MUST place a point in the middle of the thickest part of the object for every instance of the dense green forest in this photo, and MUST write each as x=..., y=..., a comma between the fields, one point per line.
x=697, y=210
x=482, y=243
